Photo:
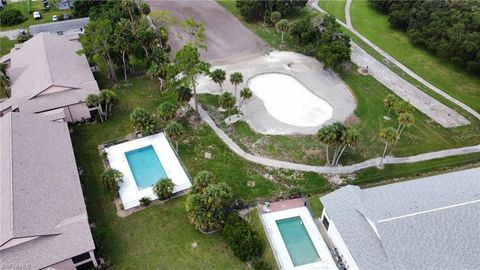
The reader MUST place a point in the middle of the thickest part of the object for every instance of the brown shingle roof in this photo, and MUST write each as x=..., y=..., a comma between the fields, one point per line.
x=41, y=200
x=47, y=61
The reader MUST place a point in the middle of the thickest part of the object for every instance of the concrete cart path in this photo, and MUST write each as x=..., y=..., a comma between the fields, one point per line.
x=327, y=169
x=11, y=34
x=314, y=4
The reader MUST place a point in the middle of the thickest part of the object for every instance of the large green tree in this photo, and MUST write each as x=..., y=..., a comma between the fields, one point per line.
x=207, y=210
x=98, y=43
x=187, y=59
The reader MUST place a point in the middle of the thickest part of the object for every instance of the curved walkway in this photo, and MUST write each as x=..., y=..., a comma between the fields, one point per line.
x=349, y=26
x=327, y=169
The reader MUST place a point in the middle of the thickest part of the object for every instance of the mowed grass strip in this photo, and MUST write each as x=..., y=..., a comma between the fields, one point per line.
x=436, y=70
x=334, y=7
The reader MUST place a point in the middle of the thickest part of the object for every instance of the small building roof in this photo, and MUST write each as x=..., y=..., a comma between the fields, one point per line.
x=43, y=218
x=46, y=72
x=429, y=223
x=55, y=27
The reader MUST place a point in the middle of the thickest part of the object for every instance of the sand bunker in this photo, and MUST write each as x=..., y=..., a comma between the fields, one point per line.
x=289, y=101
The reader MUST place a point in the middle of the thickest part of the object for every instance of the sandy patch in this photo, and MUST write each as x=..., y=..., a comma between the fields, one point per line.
x=289, y=101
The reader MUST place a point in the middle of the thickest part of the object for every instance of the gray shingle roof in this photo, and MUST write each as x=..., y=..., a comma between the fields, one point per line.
x=55, y=27
x=429, y=223
x=43, y=219
x=48, y=64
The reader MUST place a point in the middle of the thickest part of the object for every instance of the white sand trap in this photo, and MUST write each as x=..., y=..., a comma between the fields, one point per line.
x=289, y=101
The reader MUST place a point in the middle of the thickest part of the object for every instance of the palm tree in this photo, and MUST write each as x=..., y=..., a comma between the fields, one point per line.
x=175, y=131
x=5, y=84
x=404, y=120
x=350, y=138
x=93, y=100
x=107, y=97
x=142, y=121
x=164, y=188
x=227, y=101
x=388, y=136
x=282, y=27
x=245, y=94
x=202, y=180
x=327, y=136
x=111, y=179
x=184, y=94
x=218, y=76
x=275, y=17
x=403, y=107
x=236, y=78
x=389, y=102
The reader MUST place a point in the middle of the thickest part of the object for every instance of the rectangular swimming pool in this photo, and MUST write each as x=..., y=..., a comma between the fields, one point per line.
x=145, y=166
x=297, y=240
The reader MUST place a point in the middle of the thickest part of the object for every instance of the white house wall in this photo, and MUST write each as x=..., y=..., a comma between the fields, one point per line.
x=337, y=240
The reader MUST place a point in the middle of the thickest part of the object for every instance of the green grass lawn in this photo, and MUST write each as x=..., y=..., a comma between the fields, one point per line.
x=34, y=6
x=6, y=45
x=160, y=237
x=399, y=172
x=440, y=72
x=334, y=7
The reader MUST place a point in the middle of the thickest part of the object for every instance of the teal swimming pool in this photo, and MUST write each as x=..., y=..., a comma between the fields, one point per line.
x=297, y=240
x=145, y=166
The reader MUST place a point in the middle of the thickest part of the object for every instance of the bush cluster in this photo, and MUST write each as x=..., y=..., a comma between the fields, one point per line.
x=261, y=10
x=241, y=238
x=164, y=188
x=11, y=16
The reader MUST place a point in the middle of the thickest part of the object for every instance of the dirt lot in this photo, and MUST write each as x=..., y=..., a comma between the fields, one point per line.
x=227, y=39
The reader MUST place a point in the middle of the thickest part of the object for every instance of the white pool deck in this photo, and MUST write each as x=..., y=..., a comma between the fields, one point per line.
x=280, y=250
x=129, y=192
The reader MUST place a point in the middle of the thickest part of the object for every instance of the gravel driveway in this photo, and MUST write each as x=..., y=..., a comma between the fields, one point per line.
x=227, y=39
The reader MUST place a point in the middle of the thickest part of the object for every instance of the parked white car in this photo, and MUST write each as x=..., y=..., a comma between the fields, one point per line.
x=54, y=18
x=37, y=15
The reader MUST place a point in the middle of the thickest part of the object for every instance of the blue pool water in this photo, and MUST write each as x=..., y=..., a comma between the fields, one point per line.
x=145, y=166
x=299, y=245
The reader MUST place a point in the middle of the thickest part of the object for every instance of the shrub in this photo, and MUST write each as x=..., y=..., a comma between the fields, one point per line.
x=227, y=101
x=202, y=180
x=144, y=201
x=164, y=188
x=259, y=264
x=142, y=121
x=23, y=36
x=111, y=179
x=207, y=210
x=11, y=16
x=295, y=192
x=167, y=110
x=241, y=238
